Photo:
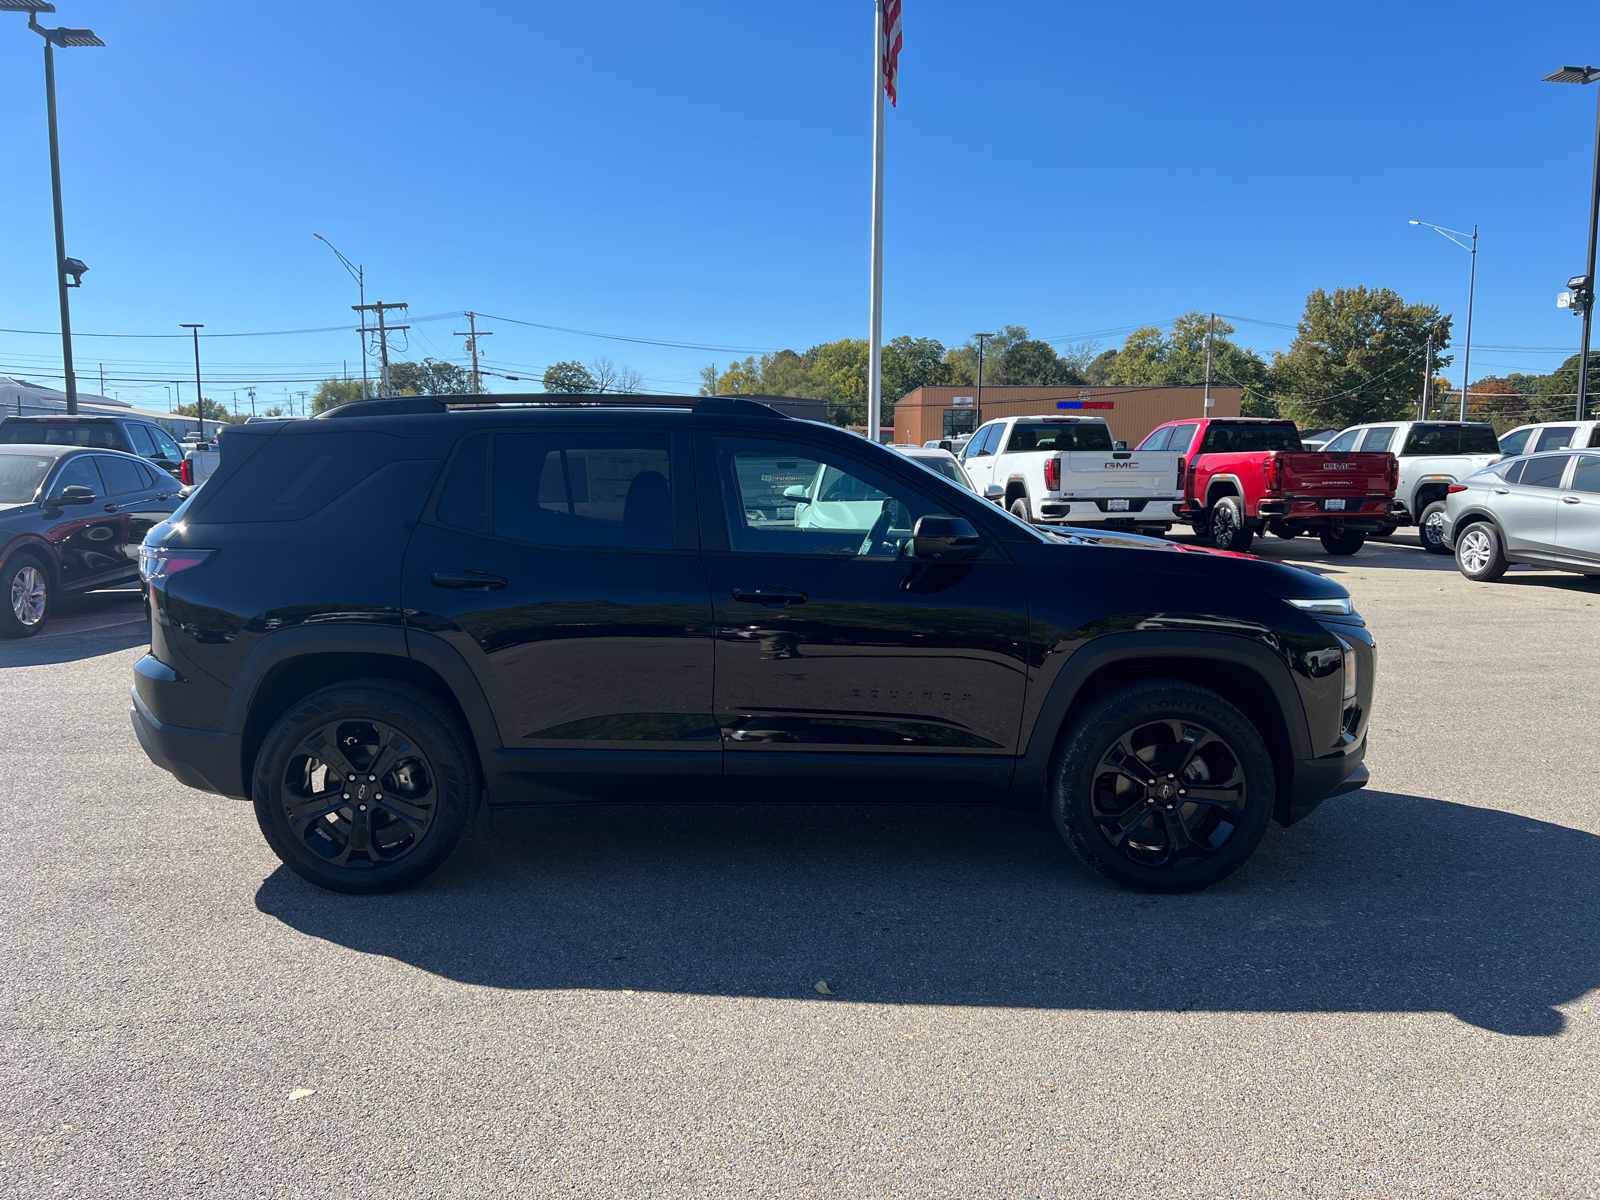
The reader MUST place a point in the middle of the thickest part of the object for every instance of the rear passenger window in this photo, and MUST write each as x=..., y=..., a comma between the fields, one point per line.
x=1182, y=435
x=465, y=502
x=1544, y=472
x=293, y=476
x=121, y=475
x=1557, y=437
x=1586, y=476
x=1513, y=472
x=1378, y=439
x=600, y=490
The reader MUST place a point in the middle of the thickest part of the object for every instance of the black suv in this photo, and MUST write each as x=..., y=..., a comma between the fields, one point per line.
x=371, y=622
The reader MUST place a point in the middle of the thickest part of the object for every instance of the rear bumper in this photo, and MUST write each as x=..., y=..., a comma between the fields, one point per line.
x=198, y=758
x=1317, y=779
x=1140, y=511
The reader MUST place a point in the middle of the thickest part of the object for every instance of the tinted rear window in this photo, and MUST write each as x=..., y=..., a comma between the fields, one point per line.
x=292, y=477
x=43, y=433
x=1058, y=435
x=1451, y=439
x=1248, y=439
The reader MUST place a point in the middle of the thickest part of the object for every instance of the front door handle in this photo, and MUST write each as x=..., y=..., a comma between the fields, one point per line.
x=110, y=507
x=772, y=597
x=1571, y=500
x=469, y=580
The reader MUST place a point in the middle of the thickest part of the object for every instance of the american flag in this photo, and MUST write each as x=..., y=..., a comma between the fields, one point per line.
x=891, y=52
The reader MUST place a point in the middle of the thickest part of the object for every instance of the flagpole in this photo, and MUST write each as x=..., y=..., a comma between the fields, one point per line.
x=875, y=364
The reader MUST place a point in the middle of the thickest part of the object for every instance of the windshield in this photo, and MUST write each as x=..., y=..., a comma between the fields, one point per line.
x=1059, y=435
x=1247, y=439
x=1451, y=439
x=41, y=433
x=21, y=475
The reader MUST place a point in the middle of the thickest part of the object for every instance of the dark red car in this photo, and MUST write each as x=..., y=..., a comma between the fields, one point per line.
x=1243, y=475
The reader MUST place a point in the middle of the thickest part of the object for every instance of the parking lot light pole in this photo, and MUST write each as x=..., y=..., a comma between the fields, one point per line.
x=1472, y=285
x=1584, y=75
x=358, y=273
x=64, y=265
x=977, y=419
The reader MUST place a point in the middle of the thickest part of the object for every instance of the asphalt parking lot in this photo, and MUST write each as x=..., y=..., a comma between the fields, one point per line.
x=1397, y=997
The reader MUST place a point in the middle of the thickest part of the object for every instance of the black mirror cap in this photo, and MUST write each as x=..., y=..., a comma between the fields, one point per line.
x=939, y=537
x=74, y=494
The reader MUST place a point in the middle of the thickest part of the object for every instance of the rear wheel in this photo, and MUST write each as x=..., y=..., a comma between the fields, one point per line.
x=1019, y=509
x=1430, y=528
x=1229, y=528
x=1344, y=541
x=26, y=596
x=1163, y=786
x=364, y=786
x=1479, y=555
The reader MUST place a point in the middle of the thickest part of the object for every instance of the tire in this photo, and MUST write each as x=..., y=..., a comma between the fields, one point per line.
x=1108, y=770
x=1430, y=528
x=1346, y=541
x=1019, y=509
x=1479, y=555
x=1229, y=530
x=27, y=596
x=1287, y=532
x=423, y=763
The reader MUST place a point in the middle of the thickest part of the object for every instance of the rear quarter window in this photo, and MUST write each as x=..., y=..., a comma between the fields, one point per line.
x=292, y=477
x=1451, y=439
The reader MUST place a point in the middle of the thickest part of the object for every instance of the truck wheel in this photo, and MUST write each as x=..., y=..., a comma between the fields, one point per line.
x=1229, y=529
x=1479, y=555
x=1279, y=529
x=1430, y=528
x=364, y=786
x=1019, y=509
x=1345, y=541
x=26, y=596
x=1162, y=786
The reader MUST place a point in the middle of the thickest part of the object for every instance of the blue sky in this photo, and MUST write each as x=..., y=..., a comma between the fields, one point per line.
x=698, y=172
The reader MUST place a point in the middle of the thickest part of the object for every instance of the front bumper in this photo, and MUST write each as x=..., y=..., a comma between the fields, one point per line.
x=198, y=758
x=1317, y=779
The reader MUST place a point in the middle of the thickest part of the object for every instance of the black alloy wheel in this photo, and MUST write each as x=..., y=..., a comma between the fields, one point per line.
x=364, y=787
x=1229, y=529
x=26, y=596
x=1163, y=786
x=1430, y=528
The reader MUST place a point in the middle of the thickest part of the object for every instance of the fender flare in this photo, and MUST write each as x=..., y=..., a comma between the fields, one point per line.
x=1027, y=497
x=1224, y=478
x=1034, y=765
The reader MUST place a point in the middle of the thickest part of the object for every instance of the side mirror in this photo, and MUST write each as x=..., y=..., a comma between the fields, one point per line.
x=940, y=537
x=795, y=491
x=1119, y=445
x=74, y=494
x=995, y=493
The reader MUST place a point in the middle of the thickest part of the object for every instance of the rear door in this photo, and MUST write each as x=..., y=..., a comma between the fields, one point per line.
x=1578, y=517
x=1527, y=509
x=841, y=660
x=562, y=565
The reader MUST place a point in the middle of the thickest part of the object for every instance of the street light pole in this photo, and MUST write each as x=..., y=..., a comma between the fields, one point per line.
x=978, y=418
x=1472, y=287
x=359, y=274
x=199, y=403
x=1586, y=75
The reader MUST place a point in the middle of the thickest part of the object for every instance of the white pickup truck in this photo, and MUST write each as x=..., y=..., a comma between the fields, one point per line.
x=1432, y=456
x=198, y=464
x=1068, y=471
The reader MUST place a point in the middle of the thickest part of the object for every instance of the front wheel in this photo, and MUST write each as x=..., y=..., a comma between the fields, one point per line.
x=364, y=786
x=1430, y=528
x=1163, y=786
x=1479, y=555
x=1229, y=528
x=1345, y=541
x=26, y=596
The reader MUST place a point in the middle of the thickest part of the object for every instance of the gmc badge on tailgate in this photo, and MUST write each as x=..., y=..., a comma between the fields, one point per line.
x=1120, y=466
x=1339, y=466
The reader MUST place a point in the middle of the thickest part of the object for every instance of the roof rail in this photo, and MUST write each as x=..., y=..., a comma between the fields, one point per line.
x=733, y=406
x=392, y=406
x=398, y=405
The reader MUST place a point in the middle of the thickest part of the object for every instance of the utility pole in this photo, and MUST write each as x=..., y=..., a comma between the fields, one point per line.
x=1211, y=334
x=1427, y=383
x=383, y=334
x=102, y=379
x=251, y=392
x=977, y=419
x=199, y=404
x=302, y=396
x=472, y=345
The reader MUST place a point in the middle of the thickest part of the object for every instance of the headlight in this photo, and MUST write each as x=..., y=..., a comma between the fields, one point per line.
x=1337, y=607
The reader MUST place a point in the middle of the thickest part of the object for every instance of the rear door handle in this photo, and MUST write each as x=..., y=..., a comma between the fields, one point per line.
x=772, y=597
x=469, y=580
x=1502, y=491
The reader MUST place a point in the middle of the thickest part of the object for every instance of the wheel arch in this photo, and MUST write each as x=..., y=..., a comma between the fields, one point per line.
x=37, y=548
x=1017, y=489
x=1427, y=491
x=1219, y=486
x=1245, y=673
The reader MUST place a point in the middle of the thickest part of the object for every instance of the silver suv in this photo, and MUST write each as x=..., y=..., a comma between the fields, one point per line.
x=1542, y=509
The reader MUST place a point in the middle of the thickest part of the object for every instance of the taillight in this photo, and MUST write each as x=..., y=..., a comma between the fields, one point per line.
x=159, y=563
x=1394, y=472
x=1052, y=474
x=1181, y=465
x=1457, y=487
x=1271, y=473
x=186, y=473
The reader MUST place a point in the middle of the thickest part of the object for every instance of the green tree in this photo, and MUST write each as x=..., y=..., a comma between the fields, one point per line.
x=1036, y=364
x=1098, y=370
x=570, y=376
x=430, y=377
x=741, y=378
x=331, y=393
x=963, y=359
x=210, y=410
x=1151, y=358
x=1358, y=355
x=275, y=411
x=910, y=363
x=841, y=367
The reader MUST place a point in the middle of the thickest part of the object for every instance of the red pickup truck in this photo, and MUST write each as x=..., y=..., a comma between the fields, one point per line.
x=1245, y=474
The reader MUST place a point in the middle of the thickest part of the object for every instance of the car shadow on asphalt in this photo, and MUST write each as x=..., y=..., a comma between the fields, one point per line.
x=1376, y=903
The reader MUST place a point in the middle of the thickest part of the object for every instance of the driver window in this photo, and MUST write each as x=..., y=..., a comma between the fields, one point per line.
x=78, y=472
x=793, y=499
x=1342, y=444
x=980, y=445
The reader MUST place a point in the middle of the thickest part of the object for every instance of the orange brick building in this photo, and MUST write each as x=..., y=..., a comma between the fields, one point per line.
x=938, y=412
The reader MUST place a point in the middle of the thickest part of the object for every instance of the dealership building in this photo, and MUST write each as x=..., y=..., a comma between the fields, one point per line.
x=930, y=413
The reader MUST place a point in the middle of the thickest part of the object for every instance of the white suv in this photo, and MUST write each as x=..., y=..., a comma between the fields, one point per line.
x=1550, y=435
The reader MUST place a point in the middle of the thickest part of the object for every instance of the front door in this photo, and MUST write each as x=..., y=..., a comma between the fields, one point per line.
x=90, y=539
x=840, y=659
x=1578, y=518
x=562, y=566
x=980, y=456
